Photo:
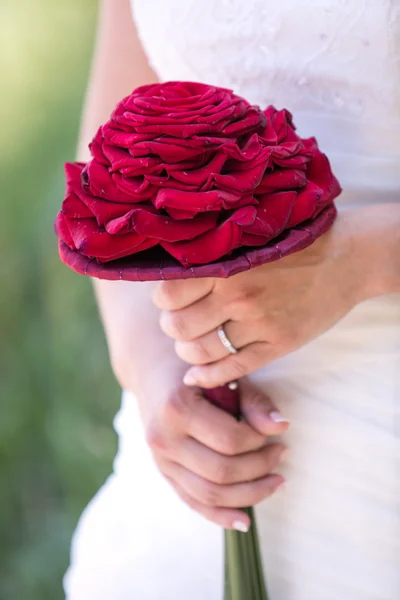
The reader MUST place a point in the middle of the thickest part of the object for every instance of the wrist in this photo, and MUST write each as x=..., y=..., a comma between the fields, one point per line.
x=148, y=367
x=377, y=231
x=141, y=355
x=155, y=383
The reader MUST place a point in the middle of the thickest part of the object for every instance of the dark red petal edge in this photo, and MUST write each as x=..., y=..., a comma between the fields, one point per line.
x=155, y=265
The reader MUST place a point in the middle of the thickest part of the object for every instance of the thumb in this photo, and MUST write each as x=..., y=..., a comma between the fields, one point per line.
x=259, y=411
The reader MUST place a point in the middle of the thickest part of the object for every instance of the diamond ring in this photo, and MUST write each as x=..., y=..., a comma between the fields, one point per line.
x=225, y=340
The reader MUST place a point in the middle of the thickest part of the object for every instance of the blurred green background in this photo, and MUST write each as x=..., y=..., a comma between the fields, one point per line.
x=57, y=392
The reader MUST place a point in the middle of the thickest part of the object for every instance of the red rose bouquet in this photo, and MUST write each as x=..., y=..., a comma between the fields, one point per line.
x=190, y=180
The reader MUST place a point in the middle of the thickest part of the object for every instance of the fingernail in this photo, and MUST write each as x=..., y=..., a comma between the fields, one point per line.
x=276, y=417
x=189, y=379
x=241, y=526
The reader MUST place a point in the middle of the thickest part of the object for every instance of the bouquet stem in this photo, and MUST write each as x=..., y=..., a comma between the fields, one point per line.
x=244, y=577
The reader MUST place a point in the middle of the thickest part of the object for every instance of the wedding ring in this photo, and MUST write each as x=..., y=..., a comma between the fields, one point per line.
x=225, y=340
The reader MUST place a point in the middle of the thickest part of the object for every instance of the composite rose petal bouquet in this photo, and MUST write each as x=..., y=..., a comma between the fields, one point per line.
x=191, y=180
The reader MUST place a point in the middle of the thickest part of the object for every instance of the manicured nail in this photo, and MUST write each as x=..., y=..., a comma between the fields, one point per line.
x=276, y=417
x=241, y=526
x=189, y=379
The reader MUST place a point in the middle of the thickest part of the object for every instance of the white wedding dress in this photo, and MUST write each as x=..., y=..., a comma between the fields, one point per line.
x=334, y=533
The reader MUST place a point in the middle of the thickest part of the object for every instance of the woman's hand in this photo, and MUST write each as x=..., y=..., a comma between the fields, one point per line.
x=277, y=308
x=215, y=463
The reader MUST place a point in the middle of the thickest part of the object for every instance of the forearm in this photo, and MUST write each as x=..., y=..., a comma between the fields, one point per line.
x=135, y=340
x=378, y=229
x=118, y=66
x=130, y=320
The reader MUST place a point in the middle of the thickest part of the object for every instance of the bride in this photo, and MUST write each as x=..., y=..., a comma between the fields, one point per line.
x=317, y=333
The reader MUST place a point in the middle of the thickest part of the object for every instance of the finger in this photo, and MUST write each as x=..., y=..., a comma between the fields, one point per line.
x=210, y=494
x=227, y=470
x=219, y=431
x=246, y=361
x=195, y=320
x=259, y=410
x=209, y=348
x=173, y=295
x=228, y=518
x=188, y=413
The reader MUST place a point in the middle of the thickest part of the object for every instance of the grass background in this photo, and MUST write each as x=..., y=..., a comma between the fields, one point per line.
x=57, y=392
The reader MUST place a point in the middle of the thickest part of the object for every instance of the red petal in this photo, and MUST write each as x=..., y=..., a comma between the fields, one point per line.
x=92, y=241
x=62, y=230
x=281, y=179
x=207, y=247
x=81, y=204
x=200, y=201
x=102, y=184
x=319, y=172
x=166, y=229
x=306, y=201
x=243, y=181
x=96, y=147
x=197, y=177
x=273, y=213
x=74, y=208
x=137, y=189
x=215, y=243
x=162, y=227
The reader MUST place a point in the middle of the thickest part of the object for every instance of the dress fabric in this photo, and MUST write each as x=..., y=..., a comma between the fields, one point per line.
x=334, y=533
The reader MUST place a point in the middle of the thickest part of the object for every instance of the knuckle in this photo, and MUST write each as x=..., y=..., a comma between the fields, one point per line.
x=231, y=442
x=189, y=500
x=209, y=494
x=176, y=406
x=258, y=354
x=237, y=368
x=224, y=471
x=265, y=490
x=201, y=353
x=240, y=303
x=154, y=437
x=257, y=400
x=259, y=350
x=195, y=353
x=245, y=303
x=272, y=453
x=255, y=493
x=165, y=295
x=181, y=350
x=177, y=326
x=267, y=493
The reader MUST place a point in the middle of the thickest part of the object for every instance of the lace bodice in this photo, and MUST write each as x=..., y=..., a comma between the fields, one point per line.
x=334, y=63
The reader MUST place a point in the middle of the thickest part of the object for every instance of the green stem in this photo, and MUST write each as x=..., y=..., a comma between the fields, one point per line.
x=227, y=581
x=244, y=577
x=258, y=557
